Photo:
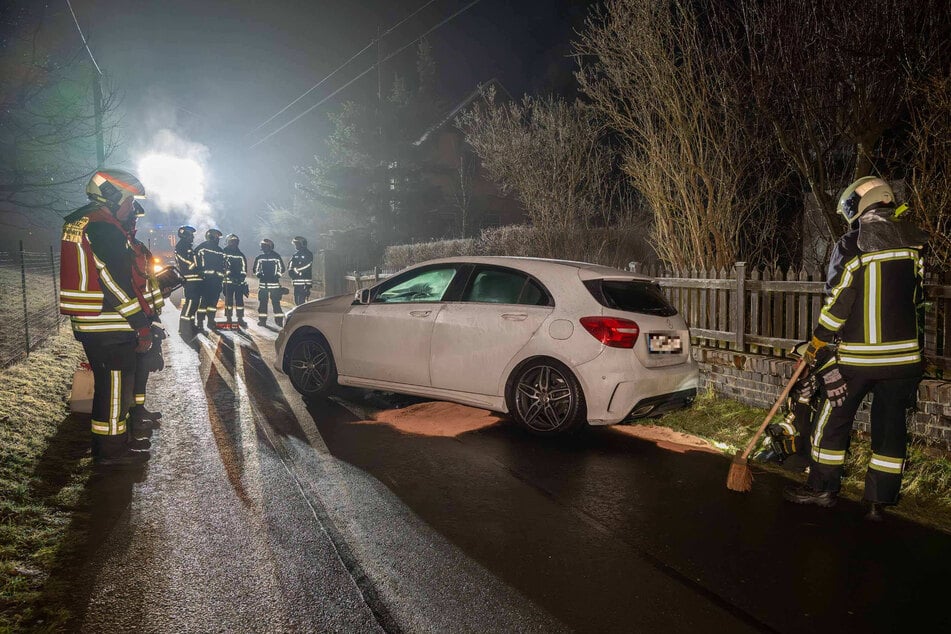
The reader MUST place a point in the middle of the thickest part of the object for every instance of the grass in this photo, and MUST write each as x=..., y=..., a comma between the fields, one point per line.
x=44, y=466
x=926, y=485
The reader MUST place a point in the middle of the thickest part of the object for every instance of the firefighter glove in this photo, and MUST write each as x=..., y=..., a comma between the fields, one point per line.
x=835, y=386
x=143, y=340
x=809, y=356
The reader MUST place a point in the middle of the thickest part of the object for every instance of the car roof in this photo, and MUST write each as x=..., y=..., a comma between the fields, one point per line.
x=586, y=270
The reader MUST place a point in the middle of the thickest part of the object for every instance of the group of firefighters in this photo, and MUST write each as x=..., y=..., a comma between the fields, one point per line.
x=210, y=270
x=867, y=339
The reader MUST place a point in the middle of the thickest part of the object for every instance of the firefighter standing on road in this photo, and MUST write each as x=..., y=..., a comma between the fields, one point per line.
x=188, y=267
x=268, y=267
x=236, y=271
x=301, y=270
x=211, y=265
x=875, y=288
x=97, y=292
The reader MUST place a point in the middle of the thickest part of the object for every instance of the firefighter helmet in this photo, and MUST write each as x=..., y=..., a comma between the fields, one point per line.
x=213, y=234
x=112, y=187
x=267, y=244
x=186, y=230
x=137, y=210
x=868, y=192
x=299, y=242
x=232, y=238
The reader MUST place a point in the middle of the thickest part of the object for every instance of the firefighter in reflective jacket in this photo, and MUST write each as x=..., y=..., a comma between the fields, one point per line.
x=268, y=267
x=98, y=294
x=875, y=293
x=300, y=270
x=235, y=286
x=211, y=266
x=188, y=267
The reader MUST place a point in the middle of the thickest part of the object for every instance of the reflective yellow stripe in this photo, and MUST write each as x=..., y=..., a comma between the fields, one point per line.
x=83, y=278
x=140, y=399
x=865, y=348
x=81, y=294
x=92, y=308
x=880, y=360
x=828, y=456
x=821, y=423
x=872, y=316
x=886, y=464
x=115, y=399
x=110, y=283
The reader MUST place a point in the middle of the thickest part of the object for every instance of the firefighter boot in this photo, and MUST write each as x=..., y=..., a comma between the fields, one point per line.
x=875, y=512
x=279, y=321
x=805, y=494
x=262, y=321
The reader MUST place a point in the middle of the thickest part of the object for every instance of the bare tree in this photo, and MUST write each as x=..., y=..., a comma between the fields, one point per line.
x=929, y=180
x=831, y=78
x=659, y=79
x=462, y=195
x=48, y=129
x=553, y=156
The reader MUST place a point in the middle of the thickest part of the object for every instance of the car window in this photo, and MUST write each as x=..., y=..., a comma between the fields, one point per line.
x=426, y=286
x=495, y=286
x=533, y=295
x=636, y=296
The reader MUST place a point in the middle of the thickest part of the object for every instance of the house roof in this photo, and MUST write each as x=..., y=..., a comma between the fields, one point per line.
x=475, y=94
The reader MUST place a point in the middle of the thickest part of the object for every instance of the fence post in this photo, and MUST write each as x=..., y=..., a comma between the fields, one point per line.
x=26, y=320
x=55, y=290
x=739, y=306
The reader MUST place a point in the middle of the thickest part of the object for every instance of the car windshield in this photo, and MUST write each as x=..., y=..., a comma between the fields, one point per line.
x=428, y=286
x=635, y=296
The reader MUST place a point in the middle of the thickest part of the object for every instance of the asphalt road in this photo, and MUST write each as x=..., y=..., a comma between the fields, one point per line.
x=260, y=513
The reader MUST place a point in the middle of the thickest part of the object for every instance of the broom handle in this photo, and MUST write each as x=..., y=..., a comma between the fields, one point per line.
x=782, y=397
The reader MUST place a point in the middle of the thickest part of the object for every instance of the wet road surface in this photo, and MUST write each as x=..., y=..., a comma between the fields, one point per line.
x=261, y=513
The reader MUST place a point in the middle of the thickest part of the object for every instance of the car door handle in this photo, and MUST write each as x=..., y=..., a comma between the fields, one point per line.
x=420, y=313
x=515, y=316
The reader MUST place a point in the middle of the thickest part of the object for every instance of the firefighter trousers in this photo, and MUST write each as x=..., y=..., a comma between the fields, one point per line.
x=113, y=370
x=301, y=293
x=891, y=401
x=192, y=300
x=210, y=292
x=234, y=299
x=274, y=295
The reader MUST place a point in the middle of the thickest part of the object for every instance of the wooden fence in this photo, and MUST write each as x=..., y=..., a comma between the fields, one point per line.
x=762, y=312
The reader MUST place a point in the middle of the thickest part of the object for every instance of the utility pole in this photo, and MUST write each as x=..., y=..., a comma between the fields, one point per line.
x=97, y=107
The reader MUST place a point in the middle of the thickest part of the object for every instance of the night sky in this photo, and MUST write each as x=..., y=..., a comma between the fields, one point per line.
x=212, y=70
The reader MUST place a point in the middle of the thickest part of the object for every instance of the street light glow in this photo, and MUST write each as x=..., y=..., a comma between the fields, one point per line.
x=172, y=181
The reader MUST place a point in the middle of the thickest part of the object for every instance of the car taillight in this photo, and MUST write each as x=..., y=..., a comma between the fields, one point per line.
x=612, y=331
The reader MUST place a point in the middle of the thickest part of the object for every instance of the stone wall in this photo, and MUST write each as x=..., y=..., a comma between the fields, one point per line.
x=757, y=380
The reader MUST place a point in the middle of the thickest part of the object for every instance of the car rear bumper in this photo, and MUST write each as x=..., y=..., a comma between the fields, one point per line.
x=618, y=388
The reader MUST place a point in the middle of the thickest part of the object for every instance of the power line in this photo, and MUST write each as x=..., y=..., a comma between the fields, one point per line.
x=83, y=37
x=387, y=58
x=336, y=70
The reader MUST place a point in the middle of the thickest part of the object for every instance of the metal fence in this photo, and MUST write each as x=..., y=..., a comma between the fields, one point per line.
x=777, y=309
x=29, y=304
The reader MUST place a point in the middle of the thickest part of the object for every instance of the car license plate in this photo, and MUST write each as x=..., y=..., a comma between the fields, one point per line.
x=660, y=343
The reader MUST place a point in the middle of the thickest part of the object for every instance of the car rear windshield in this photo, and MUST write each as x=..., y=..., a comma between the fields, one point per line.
x=635, y=296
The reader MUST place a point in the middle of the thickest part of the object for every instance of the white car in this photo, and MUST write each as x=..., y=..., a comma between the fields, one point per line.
x=552, y=343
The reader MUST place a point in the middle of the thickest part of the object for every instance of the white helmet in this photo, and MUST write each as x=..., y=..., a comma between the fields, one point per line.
x=868, y=192
x=112, y=187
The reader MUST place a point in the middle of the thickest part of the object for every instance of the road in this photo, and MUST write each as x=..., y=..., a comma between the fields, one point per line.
x=261, y=513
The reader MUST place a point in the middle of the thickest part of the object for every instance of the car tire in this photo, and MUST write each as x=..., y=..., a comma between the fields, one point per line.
x=546, y=399
x=311, y=367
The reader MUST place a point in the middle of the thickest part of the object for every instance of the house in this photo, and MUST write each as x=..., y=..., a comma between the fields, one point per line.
x=469, y=201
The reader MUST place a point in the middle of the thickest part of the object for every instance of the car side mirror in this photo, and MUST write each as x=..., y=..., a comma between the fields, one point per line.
x=362, y=296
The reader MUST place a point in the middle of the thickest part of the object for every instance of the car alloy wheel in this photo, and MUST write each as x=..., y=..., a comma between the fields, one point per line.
x=311, y=367
x=548, y=398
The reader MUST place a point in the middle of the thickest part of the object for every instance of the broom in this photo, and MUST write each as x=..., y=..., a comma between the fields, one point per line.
x=740, y=478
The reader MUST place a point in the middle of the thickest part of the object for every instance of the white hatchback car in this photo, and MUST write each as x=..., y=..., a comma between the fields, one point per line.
x=554, y=344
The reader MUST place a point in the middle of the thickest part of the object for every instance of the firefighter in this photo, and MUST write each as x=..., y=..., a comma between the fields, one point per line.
x=211, y=266
x=235, y=287
x=151, y=299
x=300, y=270
x=268, y=267
x=867, y=340
x=98, y=294
x=188, y=267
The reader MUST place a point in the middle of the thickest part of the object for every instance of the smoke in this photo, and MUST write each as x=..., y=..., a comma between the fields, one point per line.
x=174, y=173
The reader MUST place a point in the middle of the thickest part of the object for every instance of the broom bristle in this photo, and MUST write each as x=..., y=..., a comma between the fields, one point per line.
x=740, y=478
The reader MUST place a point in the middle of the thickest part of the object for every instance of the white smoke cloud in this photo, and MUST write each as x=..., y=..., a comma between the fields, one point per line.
x=174, y=173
